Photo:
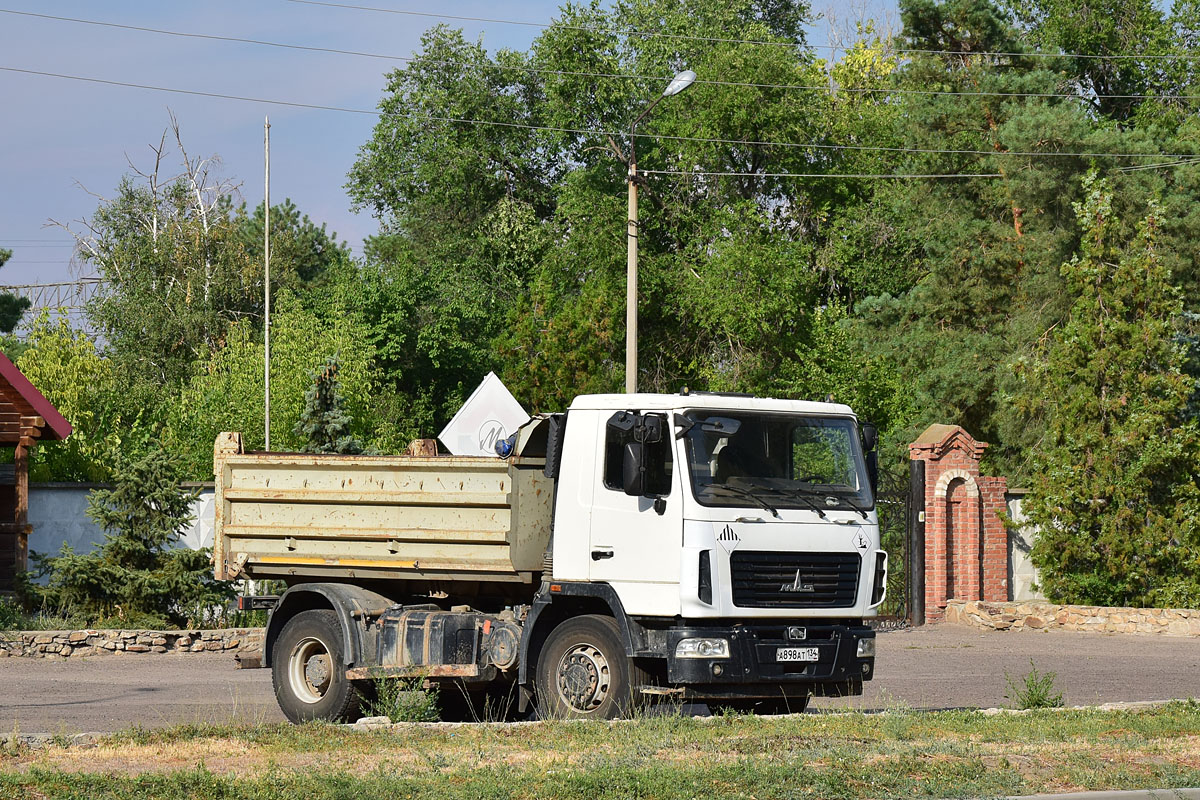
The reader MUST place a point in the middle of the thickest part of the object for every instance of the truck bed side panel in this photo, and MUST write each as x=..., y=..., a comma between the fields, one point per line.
x=283, y=515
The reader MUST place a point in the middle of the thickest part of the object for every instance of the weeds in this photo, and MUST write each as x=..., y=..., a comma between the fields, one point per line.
x=1034, y=690
x=404, y=700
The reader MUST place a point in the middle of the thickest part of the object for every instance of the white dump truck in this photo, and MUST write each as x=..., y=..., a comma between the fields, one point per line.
x=709, y=548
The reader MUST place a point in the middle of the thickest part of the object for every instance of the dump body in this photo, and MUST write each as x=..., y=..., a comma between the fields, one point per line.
x=296, y=516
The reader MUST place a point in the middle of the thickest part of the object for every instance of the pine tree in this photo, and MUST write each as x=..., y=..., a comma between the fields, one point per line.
x=324, y=423
x=140, y=574
x=1115, y=495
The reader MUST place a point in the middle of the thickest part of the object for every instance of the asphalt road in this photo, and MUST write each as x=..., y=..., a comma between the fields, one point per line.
x=942, y=666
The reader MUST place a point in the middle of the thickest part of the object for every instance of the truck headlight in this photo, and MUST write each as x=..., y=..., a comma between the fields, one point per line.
x=702, y=648
x=866, y=648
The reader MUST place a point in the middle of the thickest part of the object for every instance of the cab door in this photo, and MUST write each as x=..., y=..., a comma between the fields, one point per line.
x=635, y=540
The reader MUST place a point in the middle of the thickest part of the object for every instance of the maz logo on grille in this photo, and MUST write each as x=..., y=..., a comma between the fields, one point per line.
x=798, y=585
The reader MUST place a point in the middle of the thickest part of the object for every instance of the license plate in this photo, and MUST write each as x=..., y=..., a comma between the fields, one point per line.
x=797, y=654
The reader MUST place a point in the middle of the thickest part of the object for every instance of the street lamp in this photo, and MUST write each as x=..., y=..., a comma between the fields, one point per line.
x=680, y=82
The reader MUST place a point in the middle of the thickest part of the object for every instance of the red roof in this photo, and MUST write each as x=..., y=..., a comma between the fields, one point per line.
x=57, y=426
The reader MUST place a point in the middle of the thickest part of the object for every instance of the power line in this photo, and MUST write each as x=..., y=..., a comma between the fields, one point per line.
x=605, y=75
x=585, y=132
x=544, y=25
x=767, y=42
x=817, y=174
x=63, y=241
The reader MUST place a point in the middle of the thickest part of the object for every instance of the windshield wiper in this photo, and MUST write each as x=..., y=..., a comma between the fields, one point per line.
x=742, y=492
x=797, y=494
x=803, y=494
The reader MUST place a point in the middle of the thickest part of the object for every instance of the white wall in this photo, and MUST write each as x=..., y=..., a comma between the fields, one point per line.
x=1021, y=573
x=56, y=512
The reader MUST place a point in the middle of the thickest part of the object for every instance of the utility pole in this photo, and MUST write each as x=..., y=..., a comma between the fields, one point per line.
x=267, y=285
x=680, y=82
x=631, y=279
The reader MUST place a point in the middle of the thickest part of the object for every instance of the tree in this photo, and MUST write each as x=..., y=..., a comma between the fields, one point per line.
x=12, y=307
x=301, y=251
x=324, y=423
x=506, y=243
x=1115, y=495
x=226, y=391
x=175, y=274
x=66, y=366
x=139, y=574
x=1099, y=40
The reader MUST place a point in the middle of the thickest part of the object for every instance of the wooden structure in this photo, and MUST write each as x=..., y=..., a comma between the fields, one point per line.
x=26, y=418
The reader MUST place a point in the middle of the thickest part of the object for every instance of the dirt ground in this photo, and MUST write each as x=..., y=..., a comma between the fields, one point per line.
x=939, y=666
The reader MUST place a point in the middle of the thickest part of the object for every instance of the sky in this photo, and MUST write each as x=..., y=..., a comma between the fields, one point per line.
x=64, y=141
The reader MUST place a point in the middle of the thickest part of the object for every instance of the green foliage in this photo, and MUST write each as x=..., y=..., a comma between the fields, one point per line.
x=502, y=247
x=11, y=614
x=226, y=392
x=1114, y=493
x=139, y=572
x=404, y=700
x=1034, y=690
x=301, y=251
x=66, y=366
x=324, y=423
x=12, y=307
x=176, y=276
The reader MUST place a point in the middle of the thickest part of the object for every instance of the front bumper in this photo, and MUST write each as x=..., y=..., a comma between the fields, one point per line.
x=753, y=669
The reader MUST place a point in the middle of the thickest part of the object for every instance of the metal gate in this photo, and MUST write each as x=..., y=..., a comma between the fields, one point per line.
x=900, y=521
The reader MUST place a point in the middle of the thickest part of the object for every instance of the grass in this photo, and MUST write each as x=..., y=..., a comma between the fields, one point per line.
x=894, y=754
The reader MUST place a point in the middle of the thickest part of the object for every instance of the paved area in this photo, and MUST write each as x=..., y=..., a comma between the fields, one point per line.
x=952, y=666
x=942, y=666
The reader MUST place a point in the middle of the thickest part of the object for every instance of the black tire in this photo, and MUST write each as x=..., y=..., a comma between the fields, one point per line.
x=308, y=670
x=583, y=672
x=763, y=707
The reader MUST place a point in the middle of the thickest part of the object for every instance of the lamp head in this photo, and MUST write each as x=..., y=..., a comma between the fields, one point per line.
x=680, y=82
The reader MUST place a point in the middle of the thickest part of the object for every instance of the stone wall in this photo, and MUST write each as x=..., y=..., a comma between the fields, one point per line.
x=63, y=644
x=1044, y=616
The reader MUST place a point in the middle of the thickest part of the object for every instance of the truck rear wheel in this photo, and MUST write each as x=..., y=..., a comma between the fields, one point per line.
x=308, y=670
x=583, y=672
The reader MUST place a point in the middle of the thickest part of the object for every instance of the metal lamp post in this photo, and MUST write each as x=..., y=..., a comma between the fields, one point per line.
x=680, y=82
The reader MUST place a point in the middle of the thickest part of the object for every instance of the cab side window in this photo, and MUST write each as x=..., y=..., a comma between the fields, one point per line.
x=658, y=459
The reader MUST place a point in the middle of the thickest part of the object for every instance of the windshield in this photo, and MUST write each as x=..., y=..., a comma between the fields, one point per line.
x=770, y=461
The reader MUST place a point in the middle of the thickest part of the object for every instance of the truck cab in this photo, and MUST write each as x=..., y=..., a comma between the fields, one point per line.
x=738, y=535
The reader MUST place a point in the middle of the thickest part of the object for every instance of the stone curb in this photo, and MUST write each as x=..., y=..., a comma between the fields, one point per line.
x=1097, y=619
x=70, y=644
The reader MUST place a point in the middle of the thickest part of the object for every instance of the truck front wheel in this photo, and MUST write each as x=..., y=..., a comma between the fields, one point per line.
x=583, y=672
x=308, y=670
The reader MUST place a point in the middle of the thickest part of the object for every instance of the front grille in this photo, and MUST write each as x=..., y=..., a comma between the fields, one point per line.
x=821, y=580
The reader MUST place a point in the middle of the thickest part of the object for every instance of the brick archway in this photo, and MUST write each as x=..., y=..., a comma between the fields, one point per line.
x=966, y=556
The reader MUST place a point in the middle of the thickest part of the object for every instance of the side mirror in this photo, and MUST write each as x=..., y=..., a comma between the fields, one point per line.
x=873, y=470
x=870, y=436
x=633, y=469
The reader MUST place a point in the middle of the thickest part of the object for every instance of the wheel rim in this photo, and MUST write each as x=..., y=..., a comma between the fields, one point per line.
x=310, y=670
x=583, y=678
